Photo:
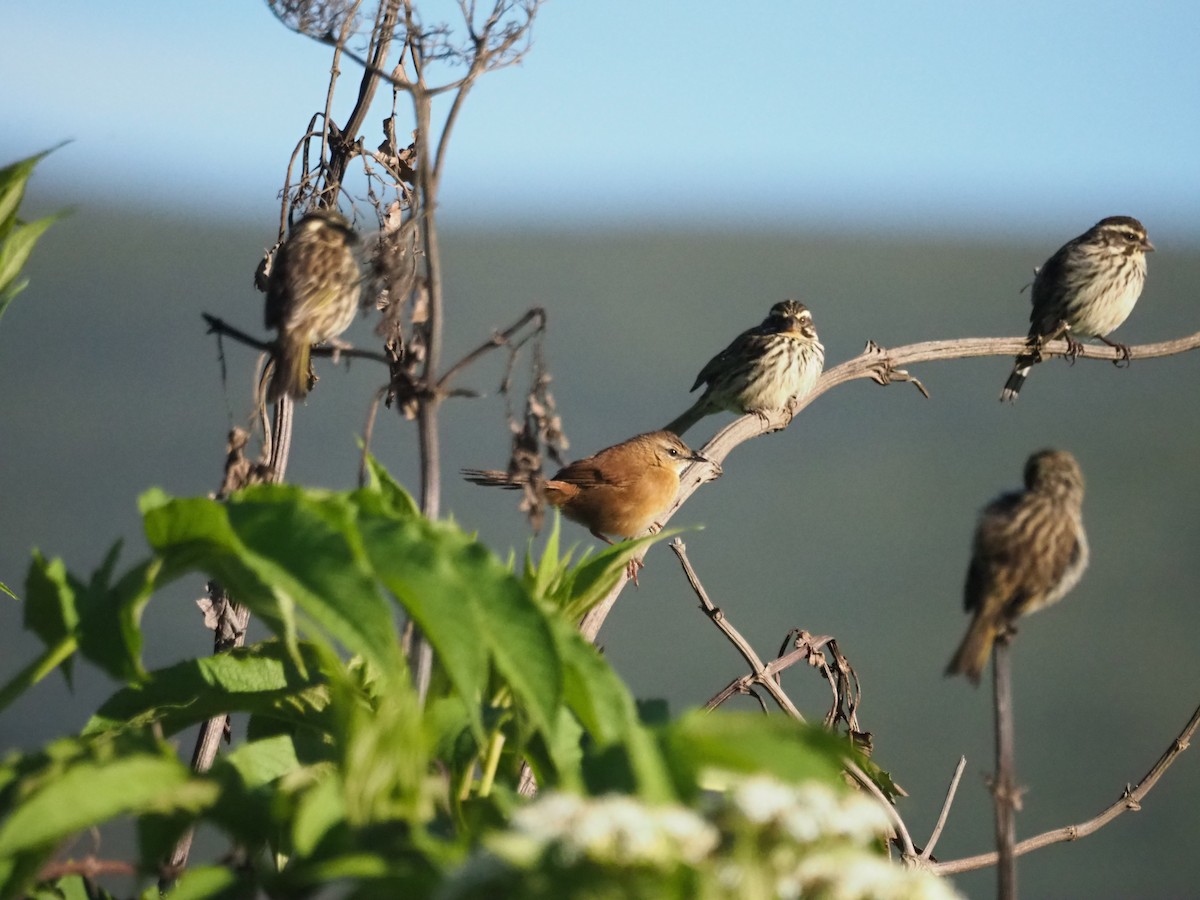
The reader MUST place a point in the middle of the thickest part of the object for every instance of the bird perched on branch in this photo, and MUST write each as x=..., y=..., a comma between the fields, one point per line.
x=618, y=492
x=1030, y=549
x=763, y=369
x=1085, y=290
x=312, y=295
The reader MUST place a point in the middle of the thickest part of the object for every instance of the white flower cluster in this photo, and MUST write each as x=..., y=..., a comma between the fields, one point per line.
x=810, y=840
x=809, y=812
x=617, y=830
x=759, y=838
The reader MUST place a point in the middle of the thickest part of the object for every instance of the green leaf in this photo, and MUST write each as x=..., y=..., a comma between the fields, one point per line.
x=13, y=178
x=211, y=883
x=261, y=679
x=110, y=617
x=16, y=247
x=749, y=743
x=51, y=614
x=306, y=544
x=193, y=534
x=592, y=690
x=399, y=501
x=50, y=609
x=94, y=784
x=470, y=607
x=10, y=291
x=4, y=589
x=54, y=657
x=320, y=808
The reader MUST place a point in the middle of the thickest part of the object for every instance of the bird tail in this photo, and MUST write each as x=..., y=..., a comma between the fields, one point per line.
x=1012, y=387
x=290, y=374
x=694, y=414
x=974, y=651
x=493, y=478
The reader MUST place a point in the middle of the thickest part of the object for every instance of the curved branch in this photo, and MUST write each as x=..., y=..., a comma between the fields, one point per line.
x=882, y=366
x=1131, y=799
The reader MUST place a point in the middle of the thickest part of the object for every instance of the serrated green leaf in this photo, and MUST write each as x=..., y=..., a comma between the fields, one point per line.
x=470, y=607
x=88, y=792
x=261, y=679
x=399, y=501
x=306, y=544
x=194, y=534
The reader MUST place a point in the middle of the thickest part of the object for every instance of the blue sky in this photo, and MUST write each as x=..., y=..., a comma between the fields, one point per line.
x=1015, y=117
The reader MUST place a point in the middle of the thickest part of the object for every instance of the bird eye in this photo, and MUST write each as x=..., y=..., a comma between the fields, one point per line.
x=1131, y=237
x=672, y=451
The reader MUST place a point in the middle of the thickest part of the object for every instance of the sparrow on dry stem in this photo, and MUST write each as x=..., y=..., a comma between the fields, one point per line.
x=312, y=295
x=1085, y=290
x=1030, y=549
x=617, y=493
x=763, y=369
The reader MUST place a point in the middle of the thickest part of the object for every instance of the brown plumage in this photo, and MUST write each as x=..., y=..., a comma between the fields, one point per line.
x=1029, y=550
x=618, y=492
x=762, y=369
x=312, y=295
x=1086, y=289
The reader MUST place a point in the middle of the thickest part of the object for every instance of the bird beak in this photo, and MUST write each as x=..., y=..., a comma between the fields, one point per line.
x=696, y=457
x=1147, y=247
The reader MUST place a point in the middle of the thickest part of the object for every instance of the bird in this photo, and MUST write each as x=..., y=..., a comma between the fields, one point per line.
x=1085, y=290
x=762, y=369
x=618, y=492
x=1030, y=549
x=312, y=295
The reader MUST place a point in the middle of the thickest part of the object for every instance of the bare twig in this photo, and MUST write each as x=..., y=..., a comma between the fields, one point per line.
x=1130, y=799
x=89, y=867
x=766, y=675
x=1005, y=794
x=927, y=853
x=220, y=327
x=759, y=674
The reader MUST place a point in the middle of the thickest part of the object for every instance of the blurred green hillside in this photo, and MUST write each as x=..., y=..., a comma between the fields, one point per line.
x=855, y=522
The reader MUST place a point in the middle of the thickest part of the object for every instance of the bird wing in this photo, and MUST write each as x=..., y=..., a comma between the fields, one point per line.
x=720, y=362
x=1046, y=309
x=1025, y=548
x=587, y=473
x=275, y=307
x=992, y=553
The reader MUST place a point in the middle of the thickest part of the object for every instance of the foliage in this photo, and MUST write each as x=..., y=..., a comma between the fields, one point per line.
x=342, y=774
x=17, y=237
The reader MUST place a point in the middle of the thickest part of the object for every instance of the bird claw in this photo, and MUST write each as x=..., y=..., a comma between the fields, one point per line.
x=883, y=371
x=336, y=346
x=1124, y=357
x=632, y=567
